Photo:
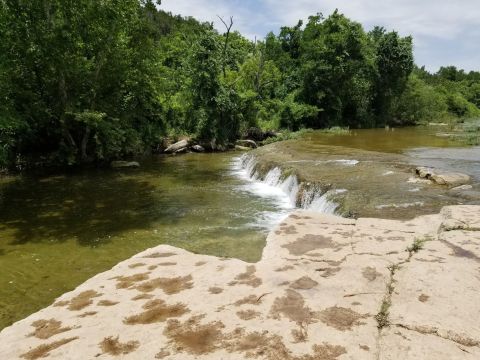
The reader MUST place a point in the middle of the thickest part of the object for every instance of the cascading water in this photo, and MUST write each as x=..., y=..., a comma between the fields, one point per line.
x=275, y=184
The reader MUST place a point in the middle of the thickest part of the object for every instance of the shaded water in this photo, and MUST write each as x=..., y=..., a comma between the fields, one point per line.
x=57, y=231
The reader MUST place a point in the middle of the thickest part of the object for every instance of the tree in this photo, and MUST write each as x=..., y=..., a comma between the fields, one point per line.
x=419, y=103
x=394, y=62
x=75, y=70
x=336, y=70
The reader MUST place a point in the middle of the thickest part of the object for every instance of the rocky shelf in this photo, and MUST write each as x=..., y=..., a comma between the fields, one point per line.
x=365, y=183
x=326, y=288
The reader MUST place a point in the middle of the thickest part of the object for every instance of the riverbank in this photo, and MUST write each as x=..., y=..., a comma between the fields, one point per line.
x=326, y=288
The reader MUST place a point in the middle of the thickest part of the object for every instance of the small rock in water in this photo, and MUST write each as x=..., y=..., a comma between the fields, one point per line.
x=414, y=180
x=198, y=148
x=442, y=178
x=462, y=188
x=124, y=164
x=451, y=179
x=424, y=172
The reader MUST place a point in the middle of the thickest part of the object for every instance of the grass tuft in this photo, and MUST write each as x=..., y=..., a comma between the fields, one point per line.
x=417, y=245
x=383, y=315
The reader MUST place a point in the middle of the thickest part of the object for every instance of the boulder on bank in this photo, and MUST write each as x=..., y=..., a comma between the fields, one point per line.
x=242, y=148
x=124, y=164
x=177, y=147
x=213, y=146
x=443, y=178
x=181, y=151
x=258, y=134
x=247, y=143
x=198, y=149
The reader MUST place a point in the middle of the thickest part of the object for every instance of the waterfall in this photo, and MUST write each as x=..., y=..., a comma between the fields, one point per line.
x=309, y=197
x=322, y=203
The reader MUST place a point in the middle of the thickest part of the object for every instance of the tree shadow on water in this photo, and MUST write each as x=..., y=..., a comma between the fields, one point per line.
x=89, y=209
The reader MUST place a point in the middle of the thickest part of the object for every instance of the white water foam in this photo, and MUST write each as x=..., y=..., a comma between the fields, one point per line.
x=271, y=187
x=284, y=191
x=344, y=162
x=398, y=206
x=322, y=203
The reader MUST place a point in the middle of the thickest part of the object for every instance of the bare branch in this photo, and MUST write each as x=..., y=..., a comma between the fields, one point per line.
x=227, y=36
x=228, y=27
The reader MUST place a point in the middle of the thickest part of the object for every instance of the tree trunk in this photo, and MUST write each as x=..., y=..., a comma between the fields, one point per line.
x=83, y=145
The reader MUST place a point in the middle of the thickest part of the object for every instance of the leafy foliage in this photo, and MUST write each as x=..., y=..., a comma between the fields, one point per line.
x=92, y=81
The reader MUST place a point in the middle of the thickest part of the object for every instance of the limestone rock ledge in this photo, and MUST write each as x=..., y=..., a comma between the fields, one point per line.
x=326, y=288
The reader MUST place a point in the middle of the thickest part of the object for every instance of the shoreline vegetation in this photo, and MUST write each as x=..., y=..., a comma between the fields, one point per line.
x=95, y=82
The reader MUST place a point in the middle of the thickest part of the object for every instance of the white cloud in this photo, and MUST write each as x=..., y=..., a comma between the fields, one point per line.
x=437, y=18
x=433, y=23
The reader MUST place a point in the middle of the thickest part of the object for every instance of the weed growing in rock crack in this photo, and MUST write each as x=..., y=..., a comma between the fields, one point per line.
x=416, y=246
x=383, y=315
x=393, y=269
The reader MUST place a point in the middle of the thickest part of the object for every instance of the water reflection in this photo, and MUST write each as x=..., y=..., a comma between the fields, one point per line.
x=83, y=208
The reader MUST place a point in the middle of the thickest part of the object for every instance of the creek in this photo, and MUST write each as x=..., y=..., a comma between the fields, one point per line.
x=56, y=231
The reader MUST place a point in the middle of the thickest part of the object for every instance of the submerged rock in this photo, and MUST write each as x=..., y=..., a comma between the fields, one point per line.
x=124, y=164
x=470, y=195
x=178, y=146
x=242, y=148
x=462, y=188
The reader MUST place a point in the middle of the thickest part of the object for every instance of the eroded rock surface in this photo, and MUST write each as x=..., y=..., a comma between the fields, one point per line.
x=326, y=288
x=443, y=178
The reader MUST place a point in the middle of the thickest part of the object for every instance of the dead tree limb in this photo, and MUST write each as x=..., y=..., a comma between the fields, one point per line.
x=228, y=27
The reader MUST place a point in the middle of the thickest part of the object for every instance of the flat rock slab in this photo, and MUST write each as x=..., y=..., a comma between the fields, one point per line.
x=316, y=294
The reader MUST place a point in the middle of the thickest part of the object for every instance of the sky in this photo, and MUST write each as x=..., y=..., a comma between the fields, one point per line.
x=445, y=32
